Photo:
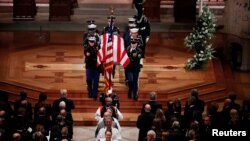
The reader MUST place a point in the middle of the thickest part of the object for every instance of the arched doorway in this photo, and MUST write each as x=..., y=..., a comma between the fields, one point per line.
x=236, y=55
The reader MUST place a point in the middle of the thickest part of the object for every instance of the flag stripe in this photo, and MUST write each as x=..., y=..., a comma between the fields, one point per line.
x=114, y=39
x=111, y=51
x=119, y=48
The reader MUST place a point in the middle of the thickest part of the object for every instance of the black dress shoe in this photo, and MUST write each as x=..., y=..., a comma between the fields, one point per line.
x=129, y=95
x=126, y=82
x=135, y=98
x=90, y=96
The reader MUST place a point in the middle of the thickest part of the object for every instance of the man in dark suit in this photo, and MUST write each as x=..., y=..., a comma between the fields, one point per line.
x=153, y=103
x=5, y=105
x=69, y=103
x=206, y=129
x=24, y=103
x=144, y=122
x=199, y=102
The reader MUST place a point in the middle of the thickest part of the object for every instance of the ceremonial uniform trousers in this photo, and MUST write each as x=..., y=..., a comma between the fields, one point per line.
x=92, y=81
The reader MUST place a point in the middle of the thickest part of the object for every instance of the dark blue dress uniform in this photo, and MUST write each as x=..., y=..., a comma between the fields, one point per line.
x=127, y=43
x=133, y=69
x=92, y=70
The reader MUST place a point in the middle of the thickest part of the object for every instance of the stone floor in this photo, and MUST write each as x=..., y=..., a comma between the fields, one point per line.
x=86, y=133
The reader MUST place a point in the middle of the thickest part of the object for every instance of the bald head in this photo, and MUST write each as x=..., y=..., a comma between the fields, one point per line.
x=227, y=102
x=63, y=92
x=2, y=113
x=42, y=111
x=16, y=137
x=147, y=108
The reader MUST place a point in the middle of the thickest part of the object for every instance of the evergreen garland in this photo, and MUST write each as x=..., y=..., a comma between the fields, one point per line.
x=199, y=40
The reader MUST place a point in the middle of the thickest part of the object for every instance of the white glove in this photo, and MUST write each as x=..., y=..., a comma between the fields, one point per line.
x=147, y=39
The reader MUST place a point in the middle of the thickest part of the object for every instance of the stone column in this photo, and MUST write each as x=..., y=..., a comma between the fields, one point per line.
x=245, y=55
x=200, y=7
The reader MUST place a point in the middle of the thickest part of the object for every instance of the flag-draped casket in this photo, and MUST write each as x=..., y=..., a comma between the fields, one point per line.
x=112, y=52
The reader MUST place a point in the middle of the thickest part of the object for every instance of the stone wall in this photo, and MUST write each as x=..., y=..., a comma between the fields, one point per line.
x=236, y=21
x=236, y=17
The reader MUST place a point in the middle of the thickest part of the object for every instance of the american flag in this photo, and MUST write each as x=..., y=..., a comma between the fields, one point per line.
x=112, y=52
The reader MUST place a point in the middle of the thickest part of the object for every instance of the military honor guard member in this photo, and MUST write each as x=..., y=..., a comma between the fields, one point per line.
x=133, y=69
x=144, y=26
x=134, y=36
x=92, y=32
x=139, y=7
x=92, y=70
x=115, y=30
x=127, y=33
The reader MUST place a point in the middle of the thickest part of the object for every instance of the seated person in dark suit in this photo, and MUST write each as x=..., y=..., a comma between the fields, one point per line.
x=23, y=102
x=42, y=102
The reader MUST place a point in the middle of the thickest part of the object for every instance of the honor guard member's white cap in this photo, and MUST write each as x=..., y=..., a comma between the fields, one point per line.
x=131, y=20
x=92, y=27
x=134, y=30
x=92, y=38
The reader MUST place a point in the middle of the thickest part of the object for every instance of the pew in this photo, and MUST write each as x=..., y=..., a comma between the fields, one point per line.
x=24, y=9
x=60, y=10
